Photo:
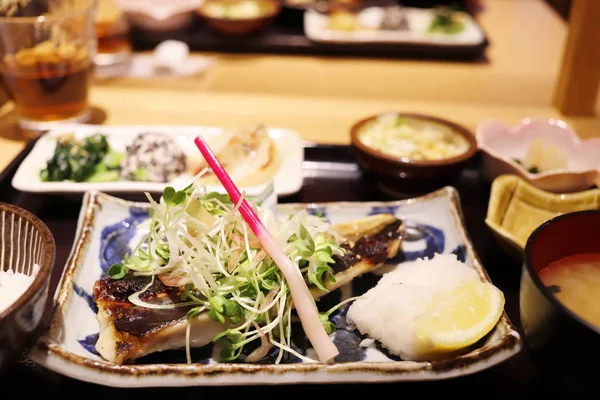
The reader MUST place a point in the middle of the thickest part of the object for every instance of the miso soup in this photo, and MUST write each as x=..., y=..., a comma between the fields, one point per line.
x=575, y=282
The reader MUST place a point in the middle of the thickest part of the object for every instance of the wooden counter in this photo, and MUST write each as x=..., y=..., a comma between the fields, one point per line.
x=321, y=97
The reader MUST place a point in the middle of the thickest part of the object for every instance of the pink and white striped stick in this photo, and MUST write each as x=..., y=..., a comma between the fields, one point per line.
x=301, y=296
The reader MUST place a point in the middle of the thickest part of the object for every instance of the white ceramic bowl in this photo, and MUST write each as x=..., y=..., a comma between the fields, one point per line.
x=501, y=144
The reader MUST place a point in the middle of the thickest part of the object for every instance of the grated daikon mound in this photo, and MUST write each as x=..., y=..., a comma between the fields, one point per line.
x=387, y=311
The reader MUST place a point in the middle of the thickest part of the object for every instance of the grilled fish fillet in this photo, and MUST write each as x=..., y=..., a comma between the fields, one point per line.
x=128, y=332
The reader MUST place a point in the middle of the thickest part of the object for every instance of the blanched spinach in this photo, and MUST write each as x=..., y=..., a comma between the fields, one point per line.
x=79, y=160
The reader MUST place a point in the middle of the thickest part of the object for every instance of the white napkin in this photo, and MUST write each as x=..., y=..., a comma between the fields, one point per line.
x=169, y=58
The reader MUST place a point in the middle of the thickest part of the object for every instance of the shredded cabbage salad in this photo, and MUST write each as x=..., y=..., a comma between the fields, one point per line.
x=411, y=138
x=198, y=241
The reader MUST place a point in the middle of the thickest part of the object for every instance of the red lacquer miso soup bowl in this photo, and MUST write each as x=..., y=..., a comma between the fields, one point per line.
x=560, y=301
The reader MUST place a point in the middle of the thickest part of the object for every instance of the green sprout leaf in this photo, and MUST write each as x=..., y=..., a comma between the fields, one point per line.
x=216, y=309
x=232, y=310
x=193, y=312
x=168, y=194
x=189, y=188
x=163, y=252
x=227, y=352
x=185, y=295
x=231, y=335
x=306, y=247
x=117, y=271
x=229, y=343
x=248, y=291
x=316, y=277
x=328, y=325
x=179, y=197
x=216, y=316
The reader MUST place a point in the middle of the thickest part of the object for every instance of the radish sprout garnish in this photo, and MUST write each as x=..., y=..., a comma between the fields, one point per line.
x=199, y=243
x=301, y=296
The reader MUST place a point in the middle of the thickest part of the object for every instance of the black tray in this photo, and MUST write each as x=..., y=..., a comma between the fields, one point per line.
x=286, y=36
x=331, y=174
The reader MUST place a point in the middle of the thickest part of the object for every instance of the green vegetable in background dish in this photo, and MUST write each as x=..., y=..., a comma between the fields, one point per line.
x=400, y=121
x=87, y=160
x=447, y=21
x=531, y=170
x=141, y=174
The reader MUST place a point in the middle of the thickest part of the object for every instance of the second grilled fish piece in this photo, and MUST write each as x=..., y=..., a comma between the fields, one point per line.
x=128, y=332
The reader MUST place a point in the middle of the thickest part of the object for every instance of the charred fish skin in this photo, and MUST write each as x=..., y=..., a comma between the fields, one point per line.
x=128, y=331
x=113, y=295
x=375, y=249
x=123, y=325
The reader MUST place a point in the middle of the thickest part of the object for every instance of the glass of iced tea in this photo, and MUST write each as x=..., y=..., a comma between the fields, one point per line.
x=47, y=59
x=112, y=32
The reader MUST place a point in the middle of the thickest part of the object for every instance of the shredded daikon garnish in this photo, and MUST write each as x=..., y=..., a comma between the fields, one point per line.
x=199, y=242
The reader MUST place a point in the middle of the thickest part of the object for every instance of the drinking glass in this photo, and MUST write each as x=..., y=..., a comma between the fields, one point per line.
x=112, y=31
x=46, y=62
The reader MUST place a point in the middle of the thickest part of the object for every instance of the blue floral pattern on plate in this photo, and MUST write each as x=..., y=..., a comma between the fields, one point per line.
x=115, y=238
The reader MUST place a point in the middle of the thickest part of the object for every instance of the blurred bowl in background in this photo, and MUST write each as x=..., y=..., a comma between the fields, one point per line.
x=415, y=152
x=559, y=298
x=328, y=6
x=27, y=252
x=239, y=17
x=160, y=15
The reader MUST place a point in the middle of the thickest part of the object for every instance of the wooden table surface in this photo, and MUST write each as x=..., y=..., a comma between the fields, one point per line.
x=321, y=97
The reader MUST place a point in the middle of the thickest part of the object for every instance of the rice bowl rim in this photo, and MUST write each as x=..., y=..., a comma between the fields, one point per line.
x=45, y=266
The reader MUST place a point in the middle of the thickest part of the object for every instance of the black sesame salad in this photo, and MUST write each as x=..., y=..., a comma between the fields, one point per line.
x=151, y=156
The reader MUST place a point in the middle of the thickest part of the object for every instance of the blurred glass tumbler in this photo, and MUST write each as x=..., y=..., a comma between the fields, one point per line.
x=112, y=32
x=47, y=62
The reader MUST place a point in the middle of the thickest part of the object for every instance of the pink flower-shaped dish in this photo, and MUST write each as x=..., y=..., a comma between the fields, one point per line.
x=501, y=146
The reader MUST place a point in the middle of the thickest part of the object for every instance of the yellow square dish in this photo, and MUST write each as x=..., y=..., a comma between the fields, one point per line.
x=516, y=208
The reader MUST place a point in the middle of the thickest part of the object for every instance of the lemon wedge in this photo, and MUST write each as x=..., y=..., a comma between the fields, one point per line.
x=459, y=317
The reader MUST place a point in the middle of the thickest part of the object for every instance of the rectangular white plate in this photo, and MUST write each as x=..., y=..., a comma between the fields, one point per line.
x=434, y=223
x=316, y=27
x=287, y=181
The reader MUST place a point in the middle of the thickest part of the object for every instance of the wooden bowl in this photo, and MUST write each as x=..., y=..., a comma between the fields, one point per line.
x=25, y=241
x=400, y=174
x=240, y=26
